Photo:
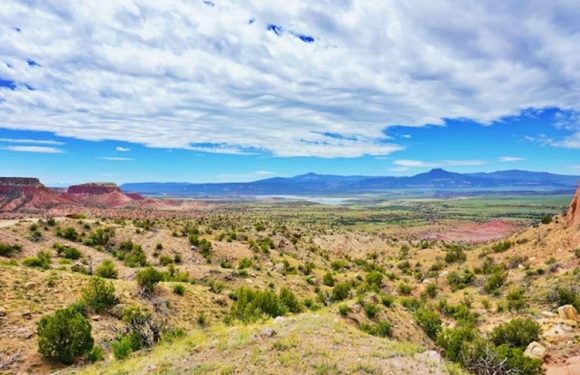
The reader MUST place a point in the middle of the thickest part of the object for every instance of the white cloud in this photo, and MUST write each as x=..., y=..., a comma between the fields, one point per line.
x=31, y=141
x=510, y=159
x=437, y=164
x=182, y=74
x=34, y=149
x=122, y=149
x=115, y=158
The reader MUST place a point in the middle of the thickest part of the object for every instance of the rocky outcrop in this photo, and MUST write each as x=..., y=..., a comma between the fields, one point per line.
x=94, y=188
x=535, y=350
x=573, y=215
x=21, y=193
x=567, y=312
x=14, y=182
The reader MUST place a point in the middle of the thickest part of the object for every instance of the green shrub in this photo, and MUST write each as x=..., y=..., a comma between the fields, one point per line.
x=251, y=305
x=67, y=252
x=68, y=233
x=99, y=294
x=405, y=289
x=454, y=253
x=430, y=291
x=516, y=299
x=343, y=310
x=481, y=357
x=410, y=303
x=494, y=282
x=502, y=246
x=341, y=291
x=179, y=289
x=453, y=340
x=95, y=355
x=547, y=218
x=371, y=310
x=131, y=254
x=328, y=279
x=107, y=270
x=99, y=237
x=64, y=335
x=429, y=321
x=148, y=278
x=460, y=279
x=380, y=329
x=288, y=299
x=563, y=295
x=517, y=333
x=387, y=301
x=41, y=260
x=245, y=263
x=124, y=346
x=374, y=279
x=7, y=250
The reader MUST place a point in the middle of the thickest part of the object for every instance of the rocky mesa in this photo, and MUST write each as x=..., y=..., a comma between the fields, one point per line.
x=21, y=193
x=94, y=188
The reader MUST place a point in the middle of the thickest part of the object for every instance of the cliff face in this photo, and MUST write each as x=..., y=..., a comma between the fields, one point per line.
x=19, y=193
x=573, y=215
x=94, y=188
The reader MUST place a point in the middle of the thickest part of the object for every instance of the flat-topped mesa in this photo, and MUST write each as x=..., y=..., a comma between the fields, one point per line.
x=573, y=214
x=20, y=182
x=94, y=188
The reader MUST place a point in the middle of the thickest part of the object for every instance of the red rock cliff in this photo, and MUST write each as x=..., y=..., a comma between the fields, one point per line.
x=94, y=188
x=573, y=215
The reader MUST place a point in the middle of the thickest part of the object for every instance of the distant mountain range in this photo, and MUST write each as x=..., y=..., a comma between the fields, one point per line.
x=318, y=184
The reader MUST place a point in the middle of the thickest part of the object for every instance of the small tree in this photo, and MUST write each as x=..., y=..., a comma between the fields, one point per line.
x=64, y=336
x=99, y=295
x=429, y=321
x=148, y=278
x=107, y=270
x=517, y=333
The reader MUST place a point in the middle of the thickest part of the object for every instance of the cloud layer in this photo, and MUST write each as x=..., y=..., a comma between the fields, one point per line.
x=324, y=78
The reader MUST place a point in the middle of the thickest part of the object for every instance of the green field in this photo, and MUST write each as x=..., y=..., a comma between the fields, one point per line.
x=372, y=212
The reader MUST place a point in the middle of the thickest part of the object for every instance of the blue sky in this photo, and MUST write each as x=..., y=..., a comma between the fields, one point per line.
x=238, y=90
x=520, y=142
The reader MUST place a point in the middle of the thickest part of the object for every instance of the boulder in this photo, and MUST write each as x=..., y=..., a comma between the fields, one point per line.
x=268, y=332
x=567, y=312
x=535, y=350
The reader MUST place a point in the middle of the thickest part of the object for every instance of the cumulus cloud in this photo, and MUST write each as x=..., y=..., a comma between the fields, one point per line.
x=323, y=78
x=437, y=164
x=122, y=149
x=34, y=149
x=510, y=159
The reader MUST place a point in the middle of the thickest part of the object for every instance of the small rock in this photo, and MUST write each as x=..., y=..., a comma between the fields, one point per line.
x=151, y=368
x=29, y=285
x=268, y=332
x=95, y=318
x=27, y=315
x=24, y=333
x=2, y=313
x=278, y=319
x=279, y=267
x=567, y=312
x=549, y=314
x=535, y=350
